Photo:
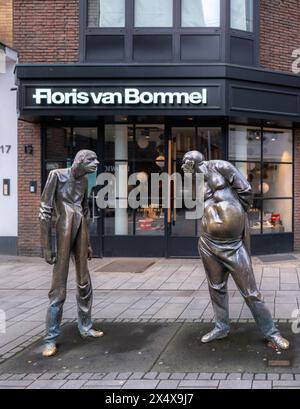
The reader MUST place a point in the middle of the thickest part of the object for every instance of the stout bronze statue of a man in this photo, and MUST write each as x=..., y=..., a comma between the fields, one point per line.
x=66, y=193
x=224, y=244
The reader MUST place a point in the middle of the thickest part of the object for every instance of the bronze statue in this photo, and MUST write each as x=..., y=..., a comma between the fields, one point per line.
x=66, y=193
x=224, y=244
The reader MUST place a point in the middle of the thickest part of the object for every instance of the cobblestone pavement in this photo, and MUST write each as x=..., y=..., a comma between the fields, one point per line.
x=169, y=291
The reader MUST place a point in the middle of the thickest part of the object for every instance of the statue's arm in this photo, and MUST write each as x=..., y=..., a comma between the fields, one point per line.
x=86, y=213
x=45, y=216
x=237, y=182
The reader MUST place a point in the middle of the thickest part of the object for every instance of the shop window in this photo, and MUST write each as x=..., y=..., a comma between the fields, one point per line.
x=106, y=13
x=241, y=15
x=277, y=216
x=244, y=143
x=265, y=157
x=200, y=13
x=278, y=145
x=154, y=13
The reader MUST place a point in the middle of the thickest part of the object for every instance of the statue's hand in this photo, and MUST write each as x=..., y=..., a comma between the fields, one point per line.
x=90, y=253
x=49, y=257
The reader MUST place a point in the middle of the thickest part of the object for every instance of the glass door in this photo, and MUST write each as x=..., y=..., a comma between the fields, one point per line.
x=183, y=233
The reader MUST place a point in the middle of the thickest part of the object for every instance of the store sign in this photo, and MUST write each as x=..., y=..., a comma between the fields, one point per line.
x=126, y=97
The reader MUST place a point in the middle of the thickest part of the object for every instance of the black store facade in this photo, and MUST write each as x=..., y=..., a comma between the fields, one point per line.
x=144, y=118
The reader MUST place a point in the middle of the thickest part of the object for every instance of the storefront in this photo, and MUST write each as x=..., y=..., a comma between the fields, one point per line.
x=142, y=119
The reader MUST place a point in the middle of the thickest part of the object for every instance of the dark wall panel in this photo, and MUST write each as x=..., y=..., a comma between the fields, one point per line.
x=105, y=48
x=241, y=51
x=152, y=47
x=200, y=47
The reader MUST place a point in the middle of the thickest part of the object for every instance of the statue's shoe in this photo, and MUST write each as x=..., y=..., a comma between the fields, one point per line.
x=279, y=342
x=214, y=335
x=50, y=350
x=92, y=333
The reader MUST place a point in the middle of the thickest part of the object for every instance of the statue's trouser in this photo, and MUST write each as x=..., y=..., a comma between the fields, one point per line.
x=77, y=248
x=221, y=259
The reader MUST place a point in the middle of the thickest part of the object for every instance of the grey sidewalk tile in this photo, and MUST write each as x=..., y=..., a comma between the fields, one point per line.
x=272, y=376
x=191, y=376
x=204, y=376
x=178, y=376
x=198, y=383
x=150, y=375
x=98, y=376
x=16, y=383
x=234, y=376
x=74, y=384
x=247, y=376
x=104, y=384
x=168, y=384
x=47, y=376
x=219, y=376
x=163, y=375
x=283, y=384
x=86, y=376
x=141, y=384
x=262, y=385
x=260, y=377
x=287, y=377
x=124, y=375
x=235, y=384
x=137, y=375
x=111, y=375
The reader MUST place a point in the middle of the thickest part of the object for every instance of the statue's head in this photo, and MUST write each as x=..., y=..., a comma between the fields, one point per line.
x=191, y=161
x=85, y=162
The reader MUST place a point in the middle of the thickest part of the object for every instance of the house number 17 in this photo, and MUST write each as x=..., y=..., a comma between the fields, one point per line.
x=5, y=149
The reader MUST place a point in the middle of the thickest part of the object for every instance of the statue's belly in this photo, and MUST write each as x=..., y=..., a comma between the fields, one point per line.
x=224, y=216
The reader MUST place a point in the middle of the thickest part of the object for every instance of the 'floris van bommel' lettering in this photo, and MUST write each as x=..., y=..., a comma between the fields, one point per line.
x=130, y=96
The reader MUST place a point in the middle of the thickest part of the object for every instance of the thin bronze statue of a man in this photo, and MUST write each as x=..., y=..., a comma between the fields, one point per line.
x=66, y=193
x=224, y=245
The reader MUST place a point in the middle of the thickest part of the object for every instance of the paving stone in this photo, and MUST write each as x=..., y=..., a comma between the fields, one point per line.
x=260, y=377
x=219, y=376
x=272, y=376
x=15, y=383
x=141, y=384
x=191, y=376
x=73, y=376
x=137, y=375
x=5, y=376
x=109, y=383
x=235, y=384
x=86, y=376
x=98, y=376
x=74, y=384
x=124, y=375
x=247, y=376
x=178, y=376
x=168, y=384
x=111, y=375
x=284, y=384
x=150, y=375
x=46, y=376
x=234, y=376
x=205, y=376
x=198, y=383
x=287, y=377
x=262, y=385
x=163, y=375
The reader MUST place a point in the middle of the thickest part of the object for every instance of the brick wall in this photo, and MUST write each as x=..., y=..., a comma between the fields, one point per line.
x=29, y=169
x=279, y=33
x=6, y=22
x=46, y=31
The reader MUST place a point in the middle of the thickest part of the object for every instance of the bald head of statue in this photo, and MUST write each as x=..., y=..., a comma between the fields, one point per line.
x=191, y=161
x=85, y=162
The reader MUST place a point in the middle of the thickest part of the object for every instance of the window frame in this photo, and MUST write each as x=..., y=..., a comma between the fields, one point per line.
x=260, y=197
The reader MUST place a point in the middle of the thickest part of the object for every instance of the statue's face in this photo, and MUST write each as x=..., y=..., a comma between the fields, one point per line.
x=90, y=163
x=188, y=165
